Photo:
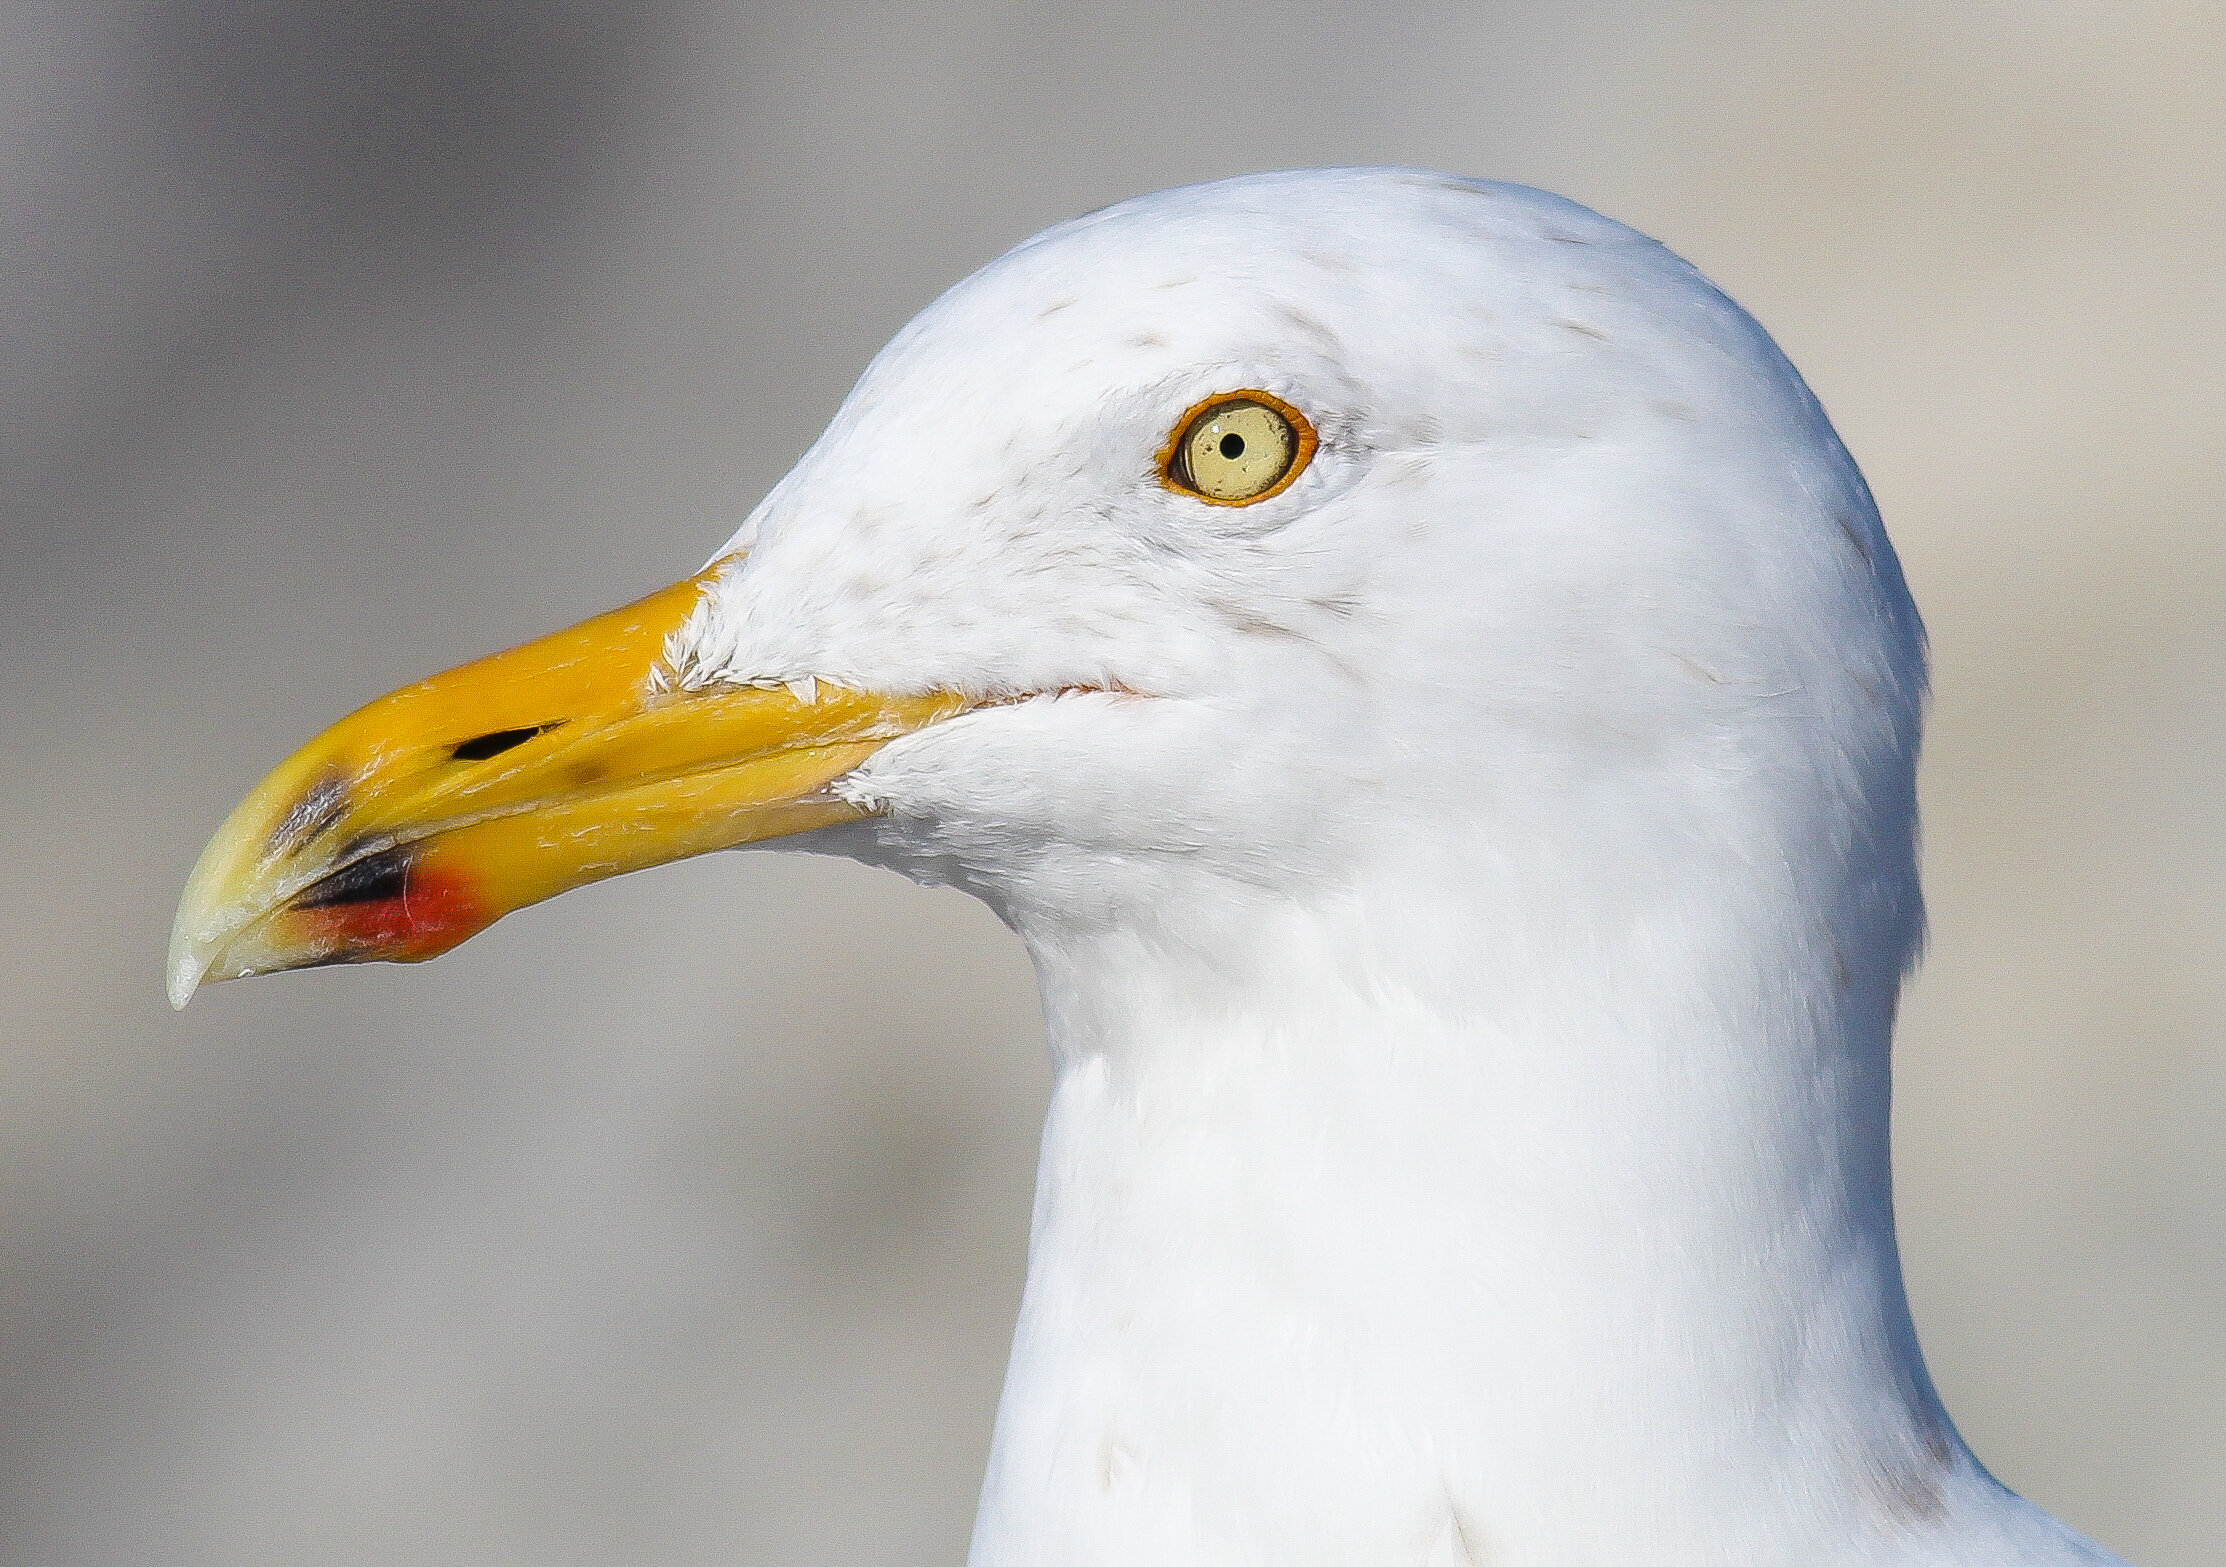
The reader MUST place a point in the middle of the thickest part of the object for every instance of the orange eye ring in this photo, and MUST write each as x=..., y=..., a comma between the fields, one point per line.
x=1176, y=458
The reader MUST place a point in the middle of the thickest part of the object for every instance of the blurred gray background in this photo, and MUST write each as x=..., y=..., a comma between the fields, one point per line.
x=681, y=1221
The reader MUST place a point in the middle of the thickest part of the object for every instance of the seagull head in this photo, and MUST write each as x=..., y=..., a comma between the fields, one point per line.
x=1230, y=543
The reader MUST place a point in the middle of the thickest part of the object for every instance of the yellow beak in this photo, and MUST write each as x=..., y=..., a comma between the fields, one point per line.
x=420, y=820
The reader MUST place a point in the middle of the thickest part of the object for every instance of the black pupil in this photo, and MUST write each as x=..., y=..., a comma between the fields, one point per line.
x=1232, y=446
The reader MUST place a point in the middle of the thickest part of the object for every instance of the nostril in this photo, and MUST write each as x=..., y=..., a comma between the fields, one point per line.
x=478, y=750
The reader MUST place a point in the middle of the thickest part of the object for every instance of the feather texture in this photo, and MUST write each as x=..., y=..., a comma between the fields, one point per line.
x=1470, y=888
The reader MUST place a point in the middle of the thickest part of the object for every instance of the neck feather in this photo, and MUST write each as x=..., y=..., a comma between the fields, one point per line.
x=1369, y=1235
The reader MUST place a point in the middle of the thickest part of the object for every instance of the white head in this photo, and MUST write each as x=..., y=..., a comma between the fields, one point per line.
x=1579, y=583
x=1470, y=880
x=1578, y=614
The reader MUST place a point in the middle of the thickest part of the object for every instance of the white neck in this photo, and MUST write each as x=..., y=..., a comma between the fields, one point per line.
x=1374, y=1242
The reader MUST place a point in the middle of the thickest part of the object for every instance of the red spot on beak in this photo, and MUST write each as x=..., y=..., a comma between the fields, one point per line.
x=432, y=911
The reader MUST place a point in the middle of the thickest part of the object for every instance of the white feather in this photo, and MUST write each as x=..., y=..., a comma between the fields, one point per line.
x=1469, y=903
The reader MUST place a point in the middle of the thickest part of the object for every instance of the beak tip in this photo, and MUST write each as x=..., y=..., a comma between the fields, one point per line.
x=186, y=970
x=187, y=963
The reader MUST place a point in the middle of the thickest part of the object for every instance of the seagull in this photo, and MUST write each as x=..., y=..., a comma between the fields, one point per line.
x=1413, y=663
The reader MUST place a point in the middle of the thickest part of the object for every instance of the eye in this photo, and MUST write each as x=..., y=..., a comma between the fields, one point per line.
x=1238, y=448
